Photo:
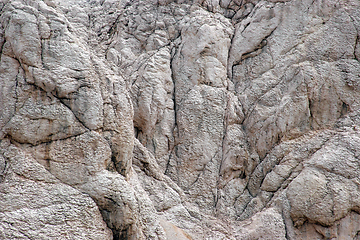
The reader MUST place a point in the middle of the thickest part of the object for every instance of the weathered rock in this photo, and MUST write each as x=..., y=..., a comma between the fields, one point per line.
x=267, y=224
x=217, y=119
x=41, y=120
x=37, y=205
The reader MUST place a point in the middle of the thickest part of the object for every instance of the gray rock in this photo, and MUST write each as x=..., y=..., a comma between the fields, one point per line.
x=221, y=119
x=36, y=205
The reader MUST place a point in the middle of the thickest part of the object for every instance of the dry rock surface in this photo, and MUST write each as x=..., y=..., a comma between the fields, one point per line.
x=185, y=119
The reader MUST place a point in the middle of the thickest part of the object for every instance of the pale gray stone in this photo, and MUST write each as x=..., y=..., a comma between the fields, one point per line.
x=204, y=119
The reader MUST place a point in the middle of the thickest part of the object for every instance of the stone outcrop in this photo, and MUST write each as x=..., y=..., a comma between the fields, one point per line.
x=204, y=119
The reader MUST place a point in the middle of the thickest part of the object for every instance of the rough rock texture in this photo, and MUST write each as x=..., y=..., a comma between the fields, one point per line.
x=158, y=119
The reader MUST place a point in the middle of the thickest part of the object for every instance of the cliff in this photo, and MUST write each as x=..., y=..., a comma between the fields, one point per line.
x=159, y=119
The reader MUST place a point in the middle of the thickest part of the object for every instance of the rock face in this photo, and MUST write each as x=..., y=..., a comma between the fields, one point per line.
x=216, y=119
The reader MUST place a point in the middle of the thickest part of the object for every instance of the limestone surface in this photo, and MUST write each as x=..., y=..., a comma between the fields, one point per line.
x=185, y=119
